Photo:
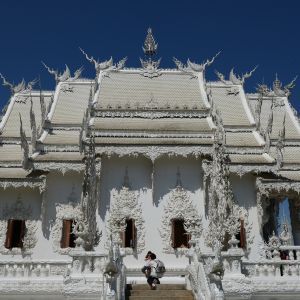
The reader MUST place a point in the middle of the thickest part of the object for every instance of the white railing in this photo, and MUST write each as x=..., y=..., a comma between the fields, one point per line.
x=12, y=269
x=269, y=268
x=196, y=276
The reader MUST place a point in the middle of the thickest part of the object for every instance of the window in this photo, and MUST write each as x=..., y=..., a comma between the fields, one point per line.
x=129, y=236
x=241, y=236
x=15, y=234
x=180, y=238
x=68, y=237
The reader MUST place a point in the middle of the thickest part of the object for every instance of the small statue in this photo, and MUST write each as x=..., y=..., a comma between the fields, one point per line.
x=285, y=236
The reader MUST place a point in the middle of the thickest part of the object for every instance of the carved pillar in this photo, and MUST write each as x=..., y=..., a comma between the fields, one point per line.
x=153, y=181
x=206, y=167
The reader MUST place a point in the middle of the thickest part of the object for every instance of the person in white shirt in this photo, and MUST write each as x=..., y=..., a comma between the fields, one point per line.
x=149, y=270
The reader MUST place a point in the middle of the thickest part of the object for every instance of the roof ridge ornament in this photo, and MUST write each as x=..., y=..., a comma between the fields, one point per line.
x=20, y=87
x=192, y=67
x=58, y=76
x=284, y=91
x=149, y=65
x=240, y=80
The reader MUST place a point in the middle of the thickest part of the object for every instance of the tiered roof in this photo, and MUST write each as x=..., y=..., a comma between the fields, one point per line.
x=149, y=106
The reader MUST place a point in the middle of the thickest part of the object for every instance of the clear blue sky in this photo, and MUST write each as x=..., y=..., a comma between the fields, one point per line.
x=248, y=33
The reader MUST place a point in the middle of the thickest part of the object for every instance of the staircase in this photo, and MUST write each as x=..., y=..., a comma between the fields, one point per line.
x=163, y=292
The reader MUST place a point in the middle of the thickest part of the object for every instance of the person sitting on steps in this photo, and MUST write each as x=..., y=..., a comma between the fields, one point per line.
x=149, y=270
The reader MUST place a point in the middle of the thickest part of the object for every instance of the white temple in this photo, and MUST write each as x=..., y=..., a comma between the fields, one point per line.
x=97, y=172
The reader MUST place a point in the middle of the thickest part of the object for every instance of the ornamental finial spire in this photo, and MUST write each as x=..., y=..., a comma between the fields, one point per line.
x=150, y=46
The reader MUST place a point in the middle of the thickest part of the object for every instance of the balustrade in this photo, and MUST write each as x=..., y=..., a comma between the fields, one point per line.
x=33, y=268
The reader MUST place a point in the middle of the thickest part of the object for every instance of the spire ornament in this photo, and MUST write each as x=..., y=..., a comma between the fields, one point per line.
x=150, y=46
x=149, y=65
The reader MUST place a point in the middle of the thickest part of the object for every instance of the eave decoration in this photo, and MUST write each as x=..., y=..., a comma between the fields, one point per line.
x=21, y=212
x=125, y=206
x=179, y=206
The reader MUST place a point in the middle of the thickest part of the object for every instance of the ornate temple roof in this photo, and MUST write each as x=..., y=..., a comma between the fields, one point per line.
x=151, y=107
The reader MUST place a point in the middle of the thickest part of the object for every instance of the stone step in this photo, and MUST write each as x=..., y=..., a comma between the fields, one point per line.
x=160, y=287
x=160, y=293
x=158, y=297
x=164, y=291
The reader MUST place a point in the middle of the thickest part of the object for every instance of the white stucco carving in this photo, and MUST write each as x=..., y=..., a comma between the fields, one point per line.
x=125, y=206
x=179, y=206
x=64, y=211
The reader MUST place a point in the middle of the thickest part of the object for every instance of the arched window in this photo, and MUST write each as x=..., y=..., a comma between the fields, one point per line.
x=15, y=234
x=180, y=238
x=129, y=236
x=68, y=237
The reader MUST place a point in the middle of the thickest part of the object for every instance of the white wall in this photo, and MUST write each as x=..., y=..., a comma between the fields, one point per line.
x=139, y=171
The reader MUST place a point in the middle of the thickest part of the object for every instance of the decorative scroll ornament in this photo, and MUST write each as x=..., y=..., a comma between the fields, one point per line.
x=43, y=109
x=194, y=68
x=125, y=206
x=283, y=91
x=20, y=87
x=221, y=77
x=89, y=195
x=280, y=144
x=59, y=77
x=150, y=68
x=18, y=211
x=77, y=74
x=64, y=212
x=240, y=80
x=33, y=127
x=221, y=202
x=84, y=130
x=24, y=146
x=179, y=206
x=105, y=65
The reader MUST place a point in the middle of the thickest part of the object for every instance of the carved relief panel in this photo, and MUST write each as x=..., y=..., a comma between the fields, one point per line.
x=179, y=207
x=125, y=207
x=64, y=212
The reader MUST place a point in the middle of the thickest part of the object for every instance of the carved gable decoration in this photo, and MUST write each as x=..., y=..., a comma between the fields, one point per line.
x=125, y=206
x=21, y=212
x=179, y=206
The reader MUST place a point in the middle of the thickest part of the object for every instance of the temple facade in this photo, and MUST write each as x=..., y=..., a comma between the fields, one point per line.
x=99, y=171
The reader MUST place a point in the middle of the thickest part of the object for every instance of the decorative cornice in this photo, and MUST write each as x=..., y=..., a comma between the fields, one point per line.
x=157, y=114
x=154, y=152
x=243, y=169
x=62, y=167
x=32, y=183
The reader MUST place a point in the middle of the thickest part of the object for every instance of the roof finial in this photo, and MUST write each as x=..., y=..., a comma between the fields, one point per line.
x=150, y=46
